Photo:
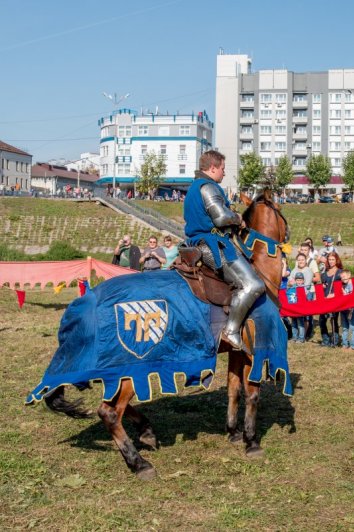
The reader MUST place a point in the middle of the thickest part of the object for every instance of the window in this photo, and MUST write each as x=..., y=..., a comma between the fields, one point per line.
x=265, y=146
x=143, y=149
x=300, y=146
x=266, y=97
x=247, y=113
x=302, y=113
x=280, y=130
x=266, y=113
x=316, y=146
x=184, y=131
x=246, y=146
x=247, y=98
x=300, y=161
x=17, y=166
x=266, y=130
x=7, y=164
x=335, y=130
x=246, y=129
x=335, y=146
x=335, y=113
x=280, y=113
x=280, y=146
x=316, y=98
x=348, y=130
x=182, y=149
x=335, y=97
x=182, y=169
x=299, y=98
x=316, y=130
x=348, y=146
x=301, y=130
x=143, y=131
x=121, y=131
x=336, y=161
x=348, y=97
x=123, y=169
x=317, y=113
x=27, y=168
x=280, y=98
x=105, y=169
x=266, y=161
x=348, y=113
x=163, y=149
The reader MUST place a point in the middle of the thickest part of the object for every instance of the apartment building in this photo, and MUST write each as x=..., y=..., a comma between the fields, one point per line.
x=278, y=112
x=127, y=137
x=15, y=167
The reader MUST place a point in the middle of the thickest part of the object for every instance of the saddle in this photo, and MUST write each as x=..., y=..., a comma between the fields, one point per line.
x=205, y=284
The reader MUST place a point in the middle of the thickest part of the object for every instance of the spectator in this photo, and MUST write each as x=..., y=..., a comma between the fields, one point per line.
x=339, y=240
x=283, y=285
x=153, y=256
x=301, y=266
x=126, y=254
x=171, y=252
x=298, y=324
x=347, y=316
x=323, y=252
x=313, y=251
x=332, y=273
x=305, y=249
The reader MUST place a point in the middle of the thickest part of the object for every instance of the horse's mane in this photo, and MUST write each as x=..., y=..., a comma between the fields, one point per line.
x=263, y=197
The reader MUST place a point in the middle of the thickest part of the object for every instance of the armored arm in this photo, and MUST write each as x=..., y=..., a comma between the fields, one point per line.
x=214, y=202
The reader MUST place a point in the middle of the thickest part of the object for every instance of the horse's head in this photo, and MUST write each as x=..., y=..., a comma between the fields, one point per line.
x=264, y=216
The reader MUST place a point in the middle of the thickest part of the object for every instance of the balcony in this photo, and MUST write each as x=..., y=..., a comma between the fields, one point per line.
x=300, y=120
x=300, y=104
x=244, y=151
x=300, y=152
x=247, y=104
x=246, y=136
x=300, y=135
x=247, y=120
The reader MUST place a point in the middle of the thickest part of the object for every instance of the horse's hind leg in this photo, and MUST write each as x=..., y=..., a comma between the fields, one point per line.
x=234, y=387
x=111, y=414
x=144, y=428
x=252, y=393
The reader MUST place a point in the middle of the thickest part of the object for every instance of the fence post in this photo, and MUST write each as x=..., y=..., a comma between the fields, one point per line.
x=89, y=268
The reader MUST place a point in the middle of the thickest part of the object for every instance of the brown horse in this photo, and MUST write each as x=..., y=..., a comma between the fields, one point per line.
x=263, y=216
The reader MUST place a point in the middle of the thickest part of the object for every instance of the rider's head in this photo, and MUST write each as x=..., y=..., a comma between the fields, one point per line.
x=212, y=163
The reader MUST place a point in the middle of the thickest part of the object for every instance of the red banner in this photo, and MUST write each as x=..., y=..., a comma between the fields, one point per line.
x=320, y=305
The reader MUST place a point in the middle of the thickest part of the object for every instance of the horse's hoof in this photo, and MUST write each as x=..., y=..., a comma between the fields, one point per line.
x=236, y=437
x=254, y=452
x=147, y=473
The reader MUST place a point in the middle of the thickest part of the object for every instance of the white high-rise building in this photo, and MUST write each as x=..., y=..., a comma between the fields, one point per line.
x=277, y=112
x=127, y=137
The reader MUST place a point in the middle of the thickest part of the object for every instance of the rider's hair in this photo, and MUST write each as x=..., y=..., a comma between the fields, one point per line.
x=210, y=157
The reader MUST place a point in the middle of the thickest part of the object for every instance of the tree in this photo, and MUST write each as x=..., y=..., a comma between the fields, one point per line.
x=151, y=172
x=319, y=170
x=348, y=169
x=251, y=171
x=284, y=172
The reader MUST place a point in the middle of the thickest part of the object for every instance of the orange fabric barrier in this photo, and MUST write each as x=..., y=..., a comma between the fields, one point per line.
x=43, y=272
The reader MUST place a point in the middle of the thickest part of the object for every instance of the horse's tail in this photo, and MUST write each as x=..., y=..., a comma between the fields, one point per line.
x=56, y=402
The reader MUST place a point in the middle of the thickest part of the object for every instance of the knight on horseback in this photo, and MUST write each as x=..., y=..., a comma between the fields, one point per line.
x=209, y=225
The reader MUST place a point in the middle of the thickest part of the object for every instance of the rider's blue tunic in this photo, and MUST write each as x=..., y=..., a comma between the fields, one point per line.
x=199, y=224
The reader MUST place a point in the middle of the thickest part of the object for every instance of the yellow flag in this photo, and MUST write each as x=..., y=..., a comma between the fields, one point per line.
x=59, y=288
x=286, y=248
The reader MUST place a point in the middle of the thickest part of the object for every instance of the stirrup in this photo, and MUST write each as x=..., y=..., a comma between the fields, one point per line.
x=234, y=339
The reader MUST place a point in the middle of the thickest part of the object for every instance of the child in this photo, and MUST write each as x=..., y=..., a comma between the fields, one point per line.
x=298, y=324
x=347, y=316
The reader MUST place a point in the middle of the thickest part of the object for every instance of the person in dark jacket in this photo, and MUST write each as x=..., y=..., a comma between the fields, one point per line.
x=126, y=254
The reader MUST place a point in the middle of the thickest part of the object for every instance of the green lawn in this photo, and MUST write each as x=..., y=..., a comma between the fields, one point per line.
x=62, y=474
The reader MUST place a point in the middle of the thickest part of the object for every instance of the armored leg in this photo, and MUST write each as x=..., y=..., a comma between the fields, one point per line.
x=240, y=274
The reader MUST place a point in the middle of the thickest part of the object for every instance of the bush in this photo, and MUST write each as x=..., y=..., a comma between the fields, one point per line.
x=10, y=254
x=62, y=251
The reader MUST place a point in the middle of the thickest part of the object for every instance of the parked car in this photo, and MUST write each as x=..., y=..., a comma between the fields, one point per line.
x=346, y=197
x=326, y=199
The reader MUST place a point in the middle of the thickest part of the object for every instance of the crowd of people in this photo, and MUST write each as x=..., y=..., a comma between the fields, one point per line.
x=319, y=266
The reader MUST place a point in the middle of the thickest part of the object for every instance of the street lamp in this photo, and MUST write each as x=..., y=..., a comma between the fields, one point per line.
x=116, y=101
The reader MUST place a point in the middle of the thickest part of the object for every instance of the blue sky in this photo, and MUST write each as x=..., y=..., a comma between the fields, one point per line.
x=57, y=58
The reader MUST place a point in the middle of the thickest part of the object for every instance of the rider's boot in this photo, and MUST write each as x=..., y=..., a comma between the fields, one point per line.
x=240, y=273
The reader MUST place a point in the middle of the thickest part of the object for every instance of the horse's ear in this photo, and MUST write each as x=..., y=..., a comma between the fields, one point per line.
x=245, y=199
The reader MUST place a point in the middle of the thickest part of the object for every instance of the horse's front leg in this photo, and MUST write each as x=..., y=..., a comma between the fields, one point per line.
x=112, y=414
x=252, y=394
x=234, y=387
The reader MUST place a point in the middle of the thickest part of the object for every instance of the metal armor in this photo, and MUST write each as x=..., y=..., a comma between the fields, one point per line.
x=238, y=273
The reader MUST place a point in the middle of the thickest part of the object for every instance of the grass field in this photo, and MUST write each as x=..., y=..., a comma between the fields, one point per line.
x=304, y=220
x=61, y=474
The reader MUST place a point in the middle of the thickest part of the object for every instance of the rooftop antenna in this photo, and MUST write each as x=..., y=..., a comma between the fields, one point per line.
x=116, y=99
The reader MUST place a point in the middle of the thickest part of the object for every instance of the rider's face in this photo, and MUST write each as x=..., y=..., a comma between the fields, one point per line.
x=217, y=173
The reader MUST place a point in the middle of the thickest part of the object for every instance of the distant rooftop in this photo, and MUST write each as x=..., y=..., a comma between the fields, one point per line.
x=12, y=149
